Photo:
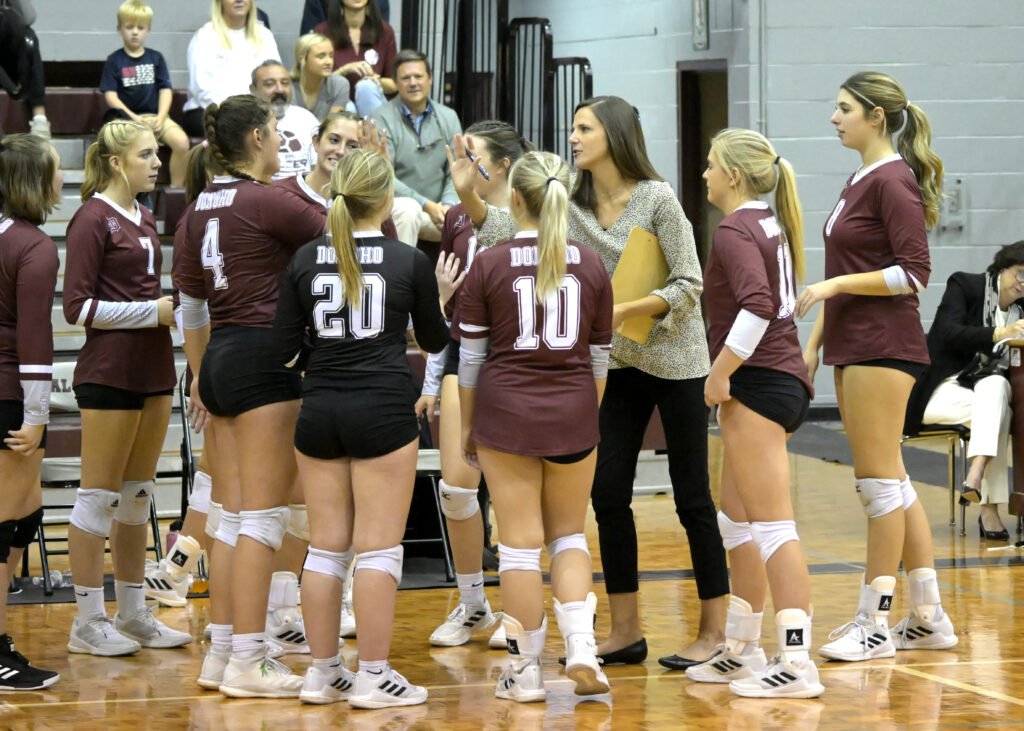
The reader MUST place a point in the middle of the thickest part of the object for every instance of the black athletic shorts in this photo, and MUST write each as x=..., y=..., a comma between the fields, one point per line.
x=357, y=422
x=11, y=413
x=777, y=396
x=451, y=359
x=905, y=366
x=110, y=398
x=242, y=371
x=570, y=458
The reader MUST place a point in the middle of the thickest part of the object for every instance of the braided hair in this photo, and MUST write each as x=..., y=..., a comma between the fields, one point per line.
x=228, y=126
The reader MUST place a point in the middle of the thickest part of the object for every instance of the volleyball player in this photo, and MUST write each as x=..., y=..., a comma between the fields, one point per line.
x=536, y=326
x=760, y=384
x=498, y=146
x=30, y=187
x=876, y=261
x=357, y=436
x=123, y=382
x=240, y=235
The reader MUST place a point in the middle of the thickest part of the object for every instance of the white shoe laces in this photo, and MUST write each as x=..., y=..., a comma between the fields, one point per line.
x=854, y=628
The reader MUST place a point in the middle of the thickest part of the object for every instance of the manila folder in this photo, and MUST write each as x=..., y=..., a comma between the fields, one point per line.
x=641, y=270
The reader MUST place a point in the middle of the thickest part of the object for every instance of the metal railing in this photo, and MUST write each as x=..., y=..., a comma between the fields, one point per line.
x=574, y=82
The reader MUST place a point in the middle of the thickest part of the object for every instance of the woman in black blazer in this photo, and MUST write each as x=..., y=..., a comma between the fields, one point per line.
x=977, y=310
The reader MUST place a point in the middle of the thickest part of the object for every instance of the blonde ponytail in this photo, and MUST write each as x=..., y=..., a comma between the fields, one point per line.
x=361, y=183
x=790, y=216
x=542, y=181
x=114, y=138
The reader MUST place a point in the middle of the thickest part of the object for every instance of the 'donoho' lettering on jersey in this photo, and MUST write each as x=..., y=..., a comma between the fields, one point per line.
x=211, y=200
x=528, y=256
x=365, y=254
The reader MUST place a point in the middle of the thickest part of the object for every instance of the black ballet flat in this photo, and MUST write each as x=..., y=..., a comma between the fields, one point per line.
x=970, y=494
x=678, y=662
x=992, y=535
x=630, y=655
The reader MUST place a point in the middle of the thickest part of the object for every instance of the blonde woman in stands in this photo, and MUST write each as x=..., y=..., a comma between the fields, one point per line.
x=876, y=261
x=615, y=189
x=535, y=317
x=30, y=187
x=221, y=57
x=112, y=288
x=318, y=88
x=364, y=50
x=762, y=390
x=241, y=233
x=357, y=435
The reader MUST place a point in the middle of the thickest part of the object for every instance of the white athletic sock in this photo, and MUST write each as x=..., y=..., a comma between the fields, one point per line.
x=131, y=598
x=220, y=637
x=372, y=666
x=471, y=588
x=249, y=646
x=327, y=663
x=89, y=601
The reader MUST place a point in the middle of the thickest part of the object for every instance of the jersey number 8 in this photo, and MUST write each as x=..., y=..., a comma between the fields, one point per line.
x=365, y=321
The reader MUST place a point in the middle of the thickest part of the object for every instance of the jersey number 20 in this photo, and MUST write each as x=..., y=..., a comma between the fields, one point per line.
x=365, y=321
x=561, y=314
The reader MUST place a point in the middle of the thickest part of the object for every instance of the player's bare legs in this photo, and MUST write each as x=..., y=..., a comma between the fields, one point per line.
x=177, y=140
x=328, y=489
x=564, y=498
x=293, y=548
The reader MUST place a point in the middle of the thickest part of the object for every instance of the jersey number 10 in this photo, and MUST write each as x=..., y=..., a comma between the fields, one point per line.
x=561, y=314
x=365, y=321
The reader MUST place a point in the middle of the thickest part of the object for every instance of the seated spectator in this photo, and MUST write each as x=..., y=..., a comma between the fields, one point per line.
x=295, y=126
x=320, y=91
x=315, y=12
x=364, y=50
x=977, y=311
x=21, y=67
x=137, y=85
x=221, y=55
x=417, y=131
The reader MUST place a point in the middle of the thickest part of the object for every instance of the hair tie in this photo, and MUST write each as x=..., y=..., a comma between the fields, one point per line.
x=777, y=158
x=551, y=179
x=206, y=143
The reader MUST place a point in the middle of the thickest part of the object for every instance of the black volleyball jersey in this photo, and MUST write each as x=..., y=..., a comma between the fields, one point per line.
x=350, y=342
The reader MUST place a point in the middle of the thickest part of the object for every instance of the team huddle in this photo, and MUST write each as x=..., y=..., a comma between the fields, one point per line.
x=295, y=302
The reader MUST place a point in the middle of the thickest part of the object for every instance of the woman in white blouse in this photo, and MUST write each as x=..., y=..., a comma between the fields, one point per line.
x=221, y=57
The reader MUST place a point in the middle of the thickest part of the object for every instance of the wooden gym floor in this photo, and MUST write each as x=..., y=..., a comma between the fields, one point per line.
x=972, y=685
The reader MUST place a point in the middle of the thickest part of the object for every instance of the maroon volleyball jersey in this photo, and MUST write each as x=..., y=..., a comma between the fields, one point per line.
x=536, y=394
x=877, y=223
x=113, y=255
x=28, y=279
x=297, y=184
x=750, y=268
x=240, y=235
x=458, y=237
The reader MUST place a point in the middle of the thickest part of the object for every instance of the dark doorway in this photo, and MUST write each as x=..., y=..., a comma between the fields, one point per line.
x=703, y=110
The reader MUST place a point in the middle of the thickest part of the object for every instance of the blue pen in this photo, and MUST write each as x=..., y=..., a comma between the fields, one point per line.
x=478, y=165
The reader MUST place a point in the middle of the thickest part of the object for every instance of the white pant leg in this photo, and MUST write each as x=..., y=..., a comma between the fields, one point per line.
x=986, y=412
x=412, y=222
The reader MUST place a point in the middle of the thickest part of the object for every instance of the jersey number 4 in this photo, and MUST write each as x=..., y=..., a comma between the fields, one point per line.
x=365, y=321
x=560, y=314
x=210, y=255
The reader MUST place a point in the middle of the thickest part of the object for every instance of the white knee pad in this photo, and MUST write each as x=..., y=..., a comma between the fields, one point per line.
x=518, y=559
x=298, y=522
x=879, y=496
x=266, y=526
x=574, y=541
x=388, y=560
x=330, y=563
x=457, y=503
x=734, y=534
x=227, y=527
x=199, y=498
x=135, y=499
x=770, y=537
x=213, y=518
x=907, y=491
x=94, y=511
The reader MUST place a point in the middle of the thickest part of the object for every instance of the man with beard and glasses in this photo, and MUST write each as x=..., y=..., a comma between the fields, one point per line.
x=295, y=125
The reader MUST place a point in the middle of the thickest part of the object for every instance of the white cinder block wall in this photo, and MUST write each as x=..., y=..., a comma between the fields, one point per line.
x=963, y=63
